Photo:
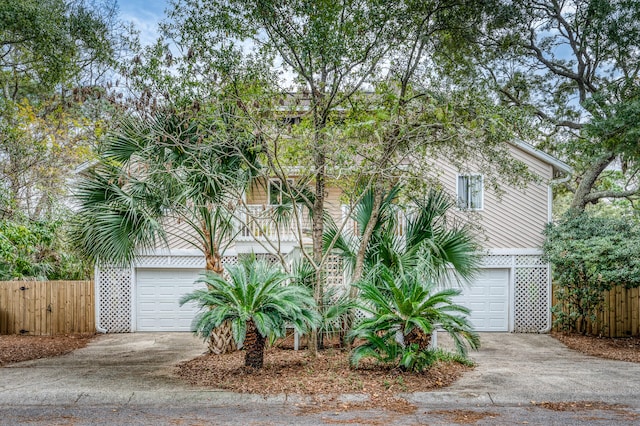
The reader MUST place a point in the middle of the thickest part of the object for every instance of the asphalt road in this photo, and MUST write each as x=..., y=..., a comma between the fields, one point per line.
x=127, y=379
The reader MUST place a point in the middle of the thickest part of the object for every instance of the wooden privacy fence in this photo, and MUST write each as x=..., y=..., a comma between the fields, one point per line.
x=47, y=307
x=620, y=314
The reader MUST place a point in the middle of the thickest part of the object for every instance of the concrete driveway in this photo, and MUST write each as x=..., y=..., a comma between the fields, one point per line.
x=521, y=368
x=137, y=368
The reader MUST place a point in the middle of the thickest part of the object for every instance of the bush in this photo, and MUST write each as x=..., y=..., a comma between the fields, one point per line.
x=36, y=250
x=590, y=255
x=404, y=310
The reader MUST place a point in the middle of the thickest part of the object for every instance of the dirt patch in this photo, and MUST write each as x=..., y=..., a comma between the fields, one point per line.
x=578, y=405
x=621, y=348
x=385, y=401
x=295, y=372
x=464, y=417
x=25, y=348
x=622, y=411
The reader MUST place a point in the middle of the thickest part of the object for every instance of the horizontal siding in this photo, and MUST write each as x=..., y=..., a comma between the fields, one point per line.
x=334, y=204
x=257, y=193
x=517, y=217
x=181, y=234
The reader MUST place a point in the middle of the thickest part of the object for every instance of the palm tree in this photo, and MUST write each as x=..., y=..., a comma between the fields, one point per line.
x=167, y=176
x=258, y=304
x=404, y=308
x=422, y=236
x=419, y=240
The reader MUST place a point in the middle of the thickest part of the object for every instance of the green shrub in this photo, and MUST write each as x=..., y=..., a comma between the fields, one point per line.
x=404, y=310
x=37, y=250
x=590, y=255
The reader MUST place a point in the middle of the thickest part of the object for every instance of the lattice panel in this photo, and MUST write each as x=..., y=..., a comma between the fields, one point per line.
x=196, y=261
x=497, y=260
x=229, y=260
x=114, y=287
x=531, y=299
x=188, y=261
x=271, y=259
x=334, y=272
x=530, y=260
x=153, y=260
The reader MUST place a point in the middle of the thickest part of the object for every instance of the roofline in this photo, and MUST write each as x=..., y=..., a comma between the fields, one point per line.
x=543, y=156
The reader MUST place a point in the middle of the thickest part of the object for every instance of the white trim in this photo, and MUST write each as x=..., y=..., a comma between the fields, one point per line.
x=173, y=252
x=513, y=251
x=549, y=300
x=166, y=261
x=549, y=203
x=470, y=175
x=282, y=188
x=512, y=297
x=543, y=156
x=134, y=301
x=96, y=292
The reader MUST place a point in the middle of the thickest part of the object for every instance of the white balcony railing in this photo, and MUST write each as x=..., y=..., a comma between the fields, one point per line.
x=265, y=221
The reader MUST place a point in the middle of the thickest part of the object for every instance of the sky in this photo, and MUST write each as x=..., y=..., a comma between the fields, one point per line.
x=145, y=16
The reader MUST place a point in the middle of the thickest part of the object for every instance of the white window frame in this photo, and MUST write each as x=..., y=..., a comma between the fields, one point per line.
x=464, y=200
x=271, y=181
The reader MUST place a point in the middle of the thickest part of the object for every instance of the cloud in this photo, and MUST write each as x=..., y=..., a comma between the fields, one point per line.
x=145, y=16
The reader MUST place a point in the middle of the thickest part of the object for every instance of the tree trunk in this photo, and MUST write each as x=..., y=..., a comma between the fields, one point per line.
x=318, y=230
x=366, y=237
x=580, y=201
x=221, y=339
x=254, y=346
x=419, y=337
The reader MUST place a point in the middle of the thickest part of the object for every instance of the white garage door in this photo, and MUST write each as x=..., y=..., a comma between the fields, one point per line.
x=158, y=293
x=488, y=299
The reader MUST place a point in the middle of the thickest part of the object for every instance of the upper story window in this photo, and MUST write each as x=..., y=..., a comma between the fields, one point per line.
x=470, y=192
x=278, y=192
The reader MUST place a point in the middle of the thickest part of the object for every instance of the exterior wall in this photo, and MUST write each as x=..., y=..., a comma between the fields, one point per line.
x=529, y=287
x=180, y=236
x=257, y=193
x=334, y=204
x=517, y=218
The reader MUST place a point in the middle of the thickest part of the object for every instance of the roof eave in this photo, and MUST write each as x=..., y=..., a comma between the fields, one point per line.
x=558, y=165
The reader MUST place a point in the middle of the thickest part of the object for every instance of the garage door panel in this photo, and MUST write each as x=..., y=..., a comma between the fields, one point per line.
x=158, y=293
x=497, y=291
x=488, y=299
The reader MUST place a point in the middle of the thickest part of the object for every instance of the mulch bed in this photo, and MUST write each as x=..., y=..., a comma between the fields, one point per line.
x=619, y=348
x=24, y=348
x=296, y=372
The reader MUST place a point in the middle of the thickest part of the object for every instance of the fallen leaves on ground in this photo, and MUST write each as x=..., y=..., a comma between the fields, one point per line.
x=464, y=417
x=386, y=401
x=287, y=371
x=24, y=348
x=620, y=348
x=577, y=405
x=621, y=411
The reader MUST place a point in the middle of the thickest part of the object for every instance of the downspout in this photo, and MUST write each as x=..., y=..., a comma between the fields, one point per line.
x=552, y=183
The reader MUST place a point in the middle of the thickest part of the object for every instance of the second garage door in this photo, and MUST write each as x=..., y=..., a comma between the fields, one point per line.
x=158, y=293
x=488, y=299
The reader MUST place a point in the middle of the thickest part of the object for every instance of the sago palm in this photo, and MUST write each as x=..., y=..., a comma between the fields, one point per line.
x=169, y=176
x=258, y=303
x=403, y=311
